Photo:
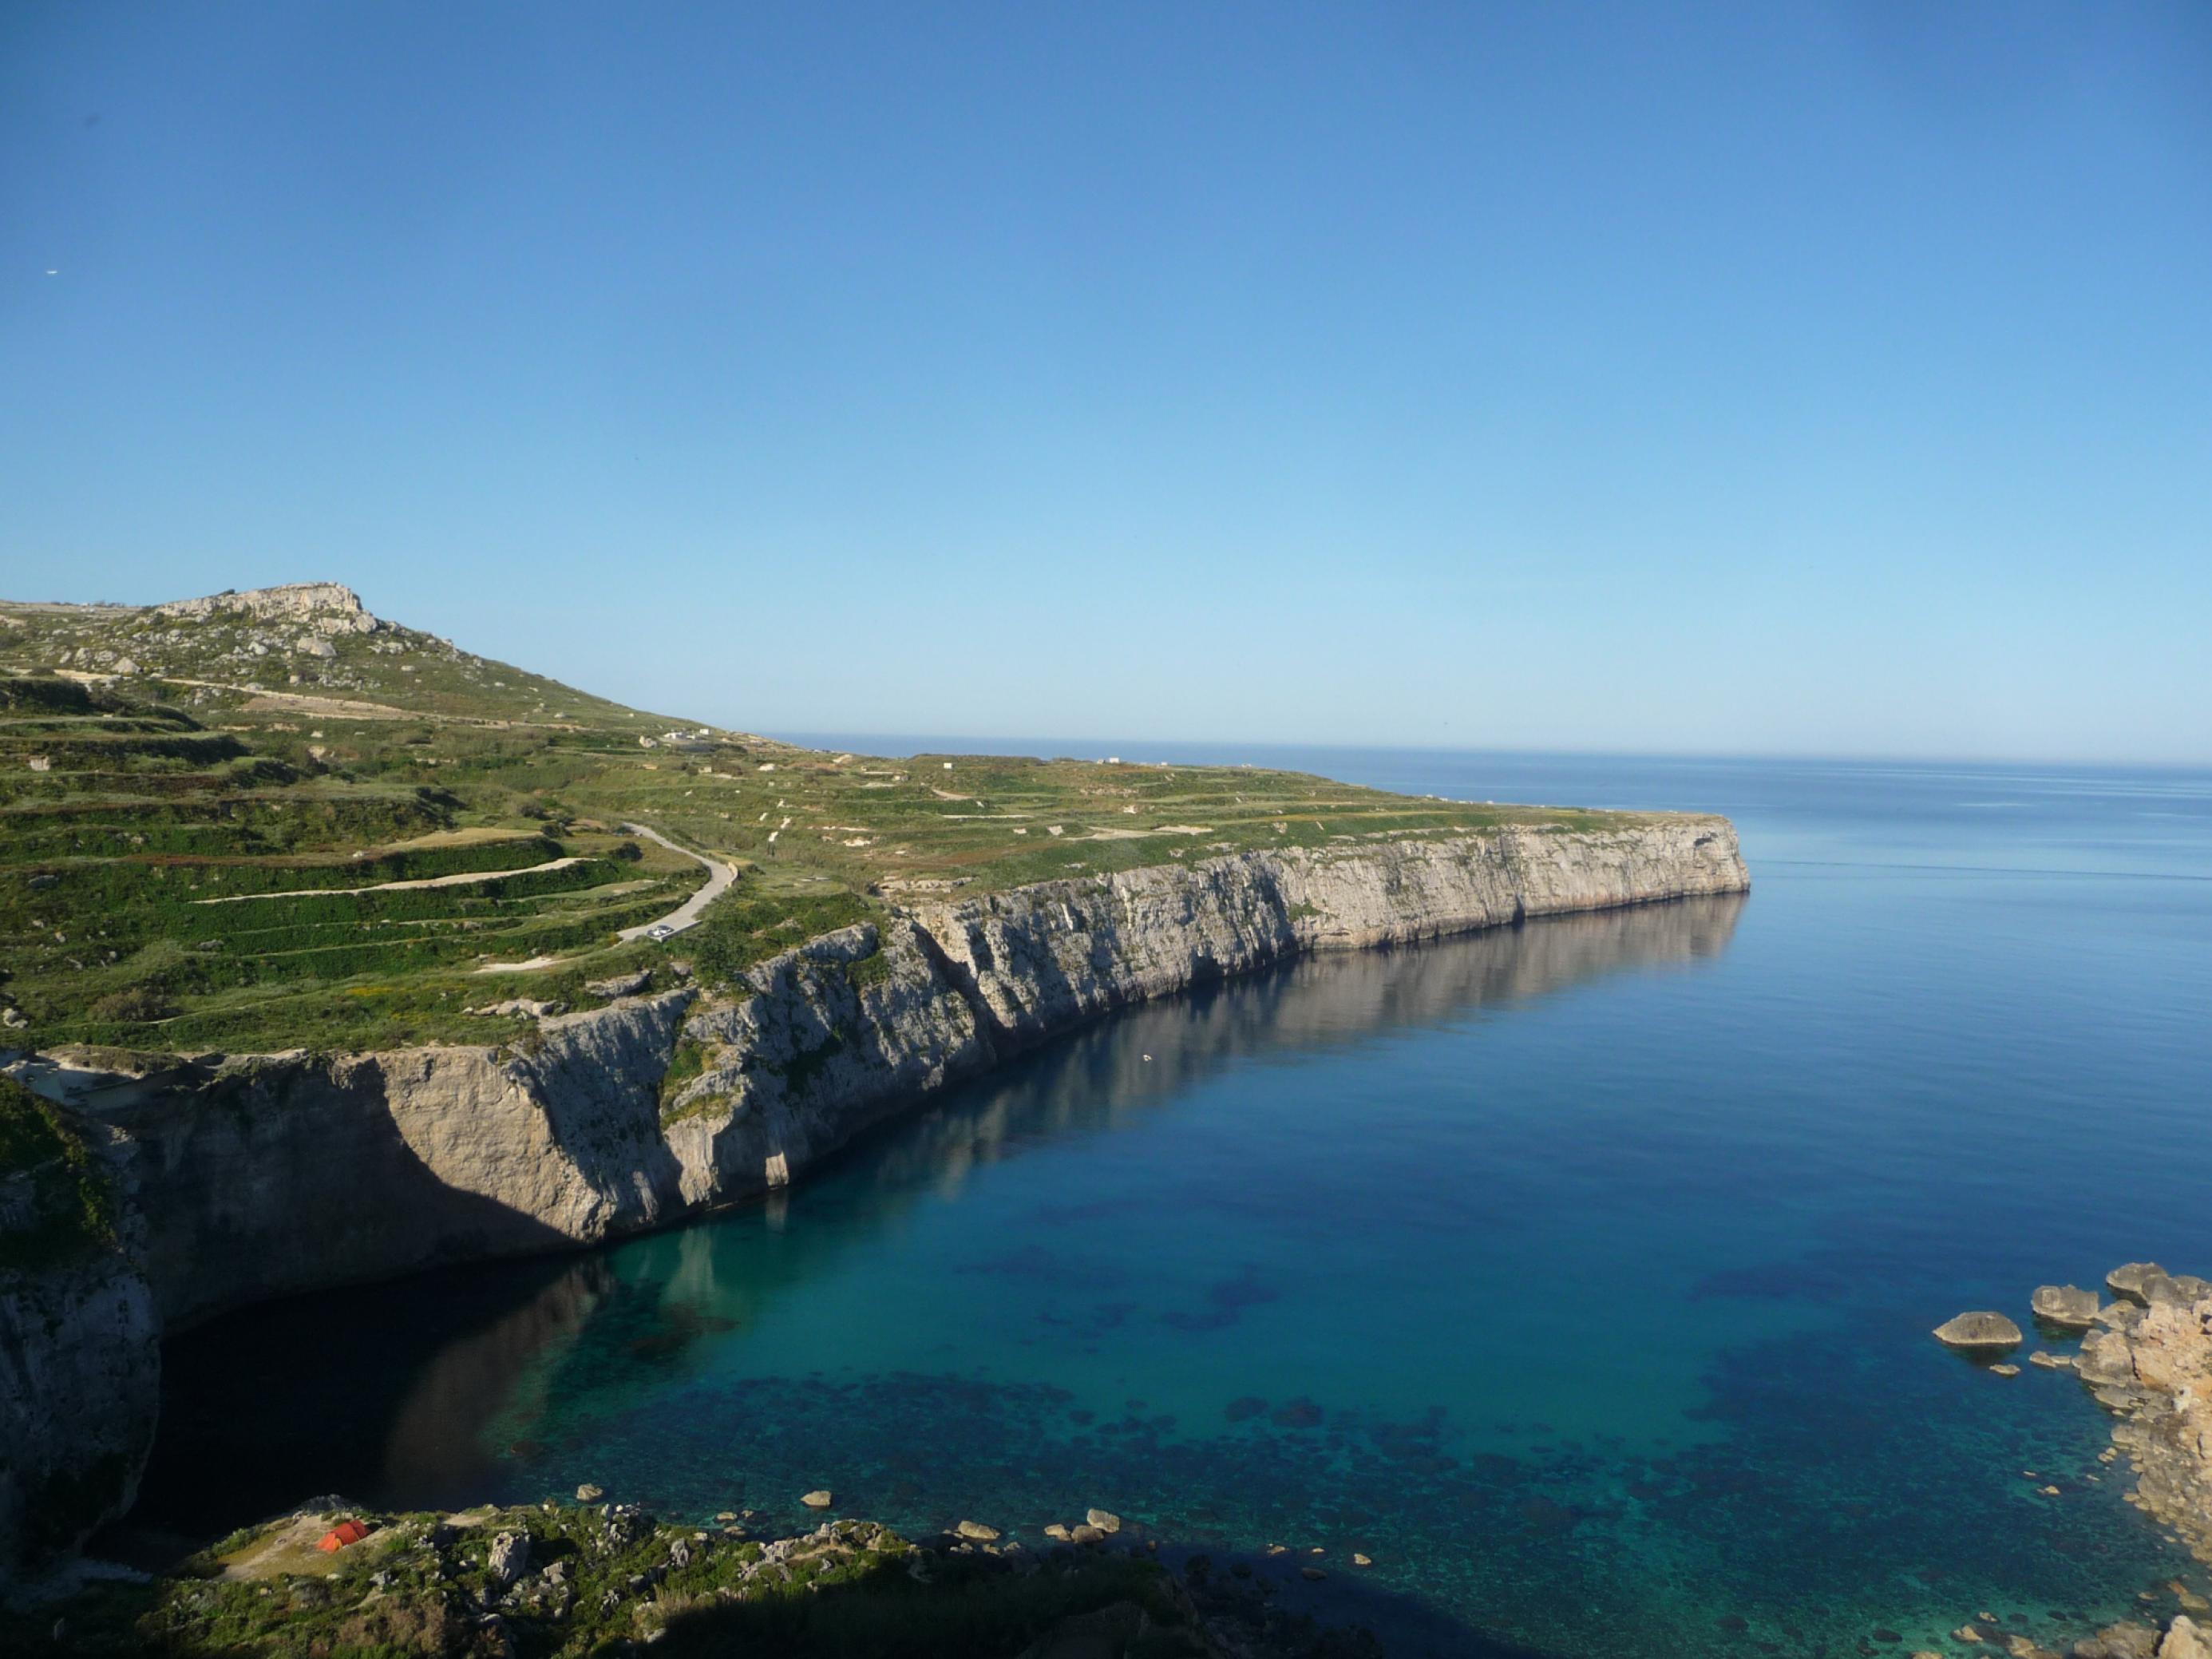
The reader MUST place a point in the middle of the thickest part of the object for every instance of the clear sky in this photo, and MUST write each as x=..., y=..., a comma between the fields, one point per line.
x=1757, y=378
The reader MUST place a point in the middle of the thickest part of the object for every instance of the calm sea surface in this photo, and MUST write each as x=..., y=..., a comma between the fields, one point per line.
x=1580, y=1275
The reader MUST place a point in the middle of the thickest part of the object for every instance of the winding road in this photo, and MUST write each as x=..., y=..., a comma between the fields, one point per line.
x=718, y=878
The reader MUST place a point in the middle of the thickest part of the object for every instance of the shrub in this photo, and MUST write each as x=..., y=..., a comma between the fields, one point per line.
x=134, y=1006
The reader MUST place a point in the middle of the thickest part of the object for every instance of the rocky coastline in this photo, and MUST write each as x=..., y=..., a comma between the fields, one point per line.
x=240, y=1178
x=2145, y=1358
x=599, y=1577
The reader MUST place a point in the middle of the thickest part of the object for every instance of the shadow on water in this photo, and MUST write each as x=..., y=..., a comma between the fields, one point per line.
x=384, y=1392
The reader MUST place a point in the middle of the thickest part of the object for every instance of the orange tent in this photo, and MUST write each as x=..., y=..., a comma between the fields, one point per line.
x=346, y=1531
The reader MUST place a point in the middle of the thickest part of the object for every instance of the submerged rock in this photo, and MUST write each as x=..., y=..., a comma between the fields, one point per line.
x=1978, y=1330
x=2065, y=1304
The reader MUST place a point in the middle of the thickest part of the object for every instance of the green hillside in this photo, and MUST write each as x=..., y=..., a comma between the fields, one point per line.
x=271, y=820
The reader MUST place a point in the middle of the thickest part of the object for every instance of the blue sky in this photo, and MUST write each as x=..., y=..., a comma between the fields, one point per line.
x=1744, y=377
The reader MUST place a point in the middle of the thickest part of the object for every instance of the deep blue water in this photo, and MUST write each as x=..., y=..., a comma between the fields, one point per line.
x=1580, y=1275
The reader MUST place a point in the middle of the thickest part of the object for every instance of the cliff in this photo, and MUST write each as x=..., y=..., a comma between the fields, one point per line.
x=253, y=1178
x=262, y=1176
x=80, y=1354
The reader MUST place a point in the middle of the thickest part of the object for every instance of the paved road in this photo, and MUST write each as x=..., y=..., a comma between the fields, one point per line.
x=718, y=878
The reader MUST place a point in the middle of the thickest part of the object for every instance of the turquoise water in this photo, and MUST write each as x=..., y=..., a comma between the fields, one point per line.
x=1580, y=1275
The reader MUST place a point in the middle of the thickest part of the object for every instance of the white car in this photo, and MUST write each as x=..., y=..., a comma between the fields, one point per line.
x=660, y=930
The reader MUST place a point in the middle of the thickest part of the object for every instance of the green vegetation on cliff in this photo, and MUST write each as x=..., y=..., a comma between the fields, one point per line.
x=271, y=820
x=59, y=1206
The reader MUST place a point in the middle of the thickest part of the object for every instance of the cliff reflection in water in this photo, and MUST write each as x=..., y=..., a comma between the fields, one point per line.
x=385, y=1393
x=1093, y=1078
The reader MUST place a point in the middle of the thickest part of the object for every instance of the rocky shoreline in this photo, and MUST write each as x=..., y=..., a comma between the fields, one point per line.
x=2145, y=1357
x=559, y=1582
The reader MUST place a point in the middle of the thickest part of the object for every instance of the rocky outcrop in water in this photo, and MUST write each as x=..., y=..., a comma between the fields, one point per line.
x=2147, y=1359
x=2150, y=1364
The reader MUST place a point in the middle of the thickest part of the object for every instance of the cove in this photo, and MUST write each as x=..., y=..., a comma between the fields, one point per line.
x=1578, y=1273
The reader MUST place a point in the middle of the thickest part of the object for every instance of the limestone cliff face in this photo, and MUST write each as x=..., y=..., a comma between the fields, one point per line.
x=80, y=1386
x=835, y=1035
x=1043, y=958
x=80, y=1342
x=278, y=1173
x=281, y=1173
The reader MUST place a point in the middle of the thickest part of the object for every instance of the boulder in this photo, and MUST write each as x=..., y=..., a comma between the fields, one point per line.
x=588, y=1494
x=2176, y=1289
x=1978, y=1330
x=977, y=1531
x=816, y=1500
x=1085, y=1534
x=626, y=985
x=1104, y=1520
x=2185, y=1640
x=510, y=1556
x=2106, y=1360
x=2127, y=1280
x=517, y=1007
x=2065, y=1304
x=2128, y=1641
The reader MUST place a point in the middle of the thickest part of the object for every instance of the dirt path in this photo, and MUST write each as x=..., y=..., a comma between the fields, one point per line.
x=461, y=880
x=718, y=878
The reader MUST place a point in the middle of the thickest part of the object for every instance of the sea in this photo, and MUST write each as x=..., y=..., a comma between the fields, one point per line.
x=1579, y=1275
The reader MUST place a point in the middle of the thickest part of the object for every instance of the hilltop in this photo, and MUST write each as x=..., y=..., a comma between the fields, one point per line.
x=272, y=819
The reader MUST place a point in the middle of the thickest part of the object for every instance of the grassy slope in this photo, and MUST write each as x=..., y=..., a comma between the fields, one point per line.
x=243, y=756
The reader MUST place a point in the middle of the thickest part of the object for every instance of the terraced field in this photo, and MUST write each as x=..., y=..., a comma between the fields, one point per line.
x=271, y=820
